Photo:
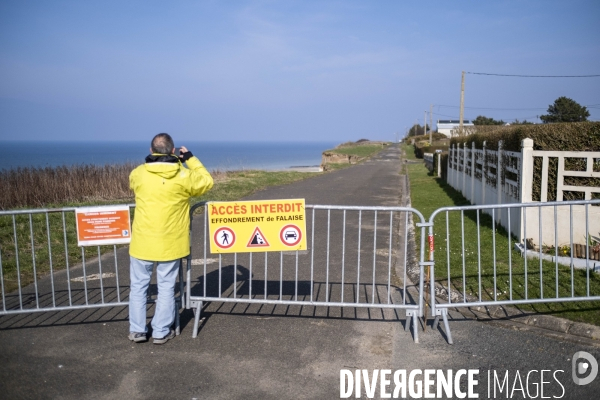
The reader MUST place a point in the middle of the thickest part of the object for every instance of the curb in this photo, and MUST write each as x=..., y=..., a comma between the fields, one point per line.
x=548, y=322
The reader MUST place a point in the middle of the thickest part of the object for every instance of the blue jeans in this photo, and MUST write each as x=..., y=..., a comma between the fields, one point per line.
x=166, y=277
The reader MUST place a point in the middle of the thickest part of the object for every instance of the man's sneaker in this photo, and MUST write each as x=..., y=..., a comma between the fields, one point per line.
x=165, y=339
x=137, y=337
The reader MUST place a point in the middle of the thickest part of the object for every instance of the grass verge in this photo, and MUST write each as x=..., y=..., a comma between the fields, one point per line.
x=502, y=274
x=358, y=150
x=236, y=185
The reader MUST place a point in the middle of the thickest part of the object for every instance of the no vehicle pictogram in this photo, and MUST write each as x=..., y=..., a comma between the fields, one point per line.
x=290, y=235
x=224, y=237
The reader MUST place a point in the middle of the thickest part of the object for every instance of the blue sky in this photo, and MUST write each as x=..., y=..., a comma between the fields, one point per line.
x=284, y=70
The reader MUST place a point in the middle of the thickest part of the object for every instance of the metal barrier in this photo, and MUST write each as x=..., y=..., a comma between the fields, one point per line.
x=42, y=268
x=485, y=269
x=350, y=263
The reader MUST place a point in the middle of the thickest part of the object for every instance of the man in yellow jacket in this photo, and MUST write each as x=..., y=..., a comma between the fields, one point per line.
x=160, y=233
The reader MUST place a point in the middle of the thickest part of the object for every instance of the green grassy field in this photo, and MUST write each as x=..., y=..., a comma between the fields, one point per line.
x=486, y=274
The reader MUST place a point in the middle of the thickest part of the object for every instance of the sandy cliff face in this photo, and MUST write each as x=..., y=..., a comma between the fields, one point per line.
x=333, y=158
x=330, y=157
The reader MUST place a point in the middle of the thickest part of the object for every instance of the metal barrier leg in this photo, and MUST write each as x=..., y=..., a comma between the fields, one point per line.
x=177, y=322
x=407, y=324
x=181, y=285
x=435, y=322
x=197, y=312
x=447, y=326
x=415, y=328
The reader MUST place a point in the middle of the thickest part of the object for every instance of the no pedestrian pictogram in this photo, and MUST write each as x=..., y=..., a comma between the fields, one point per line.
x=290, y=235
x=257, y=239
x=224, y=237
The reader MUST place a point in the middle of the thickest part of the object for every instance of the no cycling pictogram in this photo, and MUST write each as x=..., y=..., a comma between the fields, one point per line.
x=290, y=235
x=224, y=237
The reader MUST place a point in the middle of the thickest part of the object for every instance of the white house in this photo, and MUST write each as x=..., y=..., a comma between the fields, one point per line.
x=449, y=127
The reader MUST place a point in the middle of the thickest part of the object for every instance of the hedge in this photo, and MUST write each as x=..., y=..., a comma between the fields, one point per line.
x=420, y=150
x=577, y=136
x=574, y=136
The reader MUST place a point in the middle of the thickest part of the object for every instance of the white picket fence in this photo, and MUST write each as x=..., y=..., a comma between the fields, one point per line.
x=486, y=176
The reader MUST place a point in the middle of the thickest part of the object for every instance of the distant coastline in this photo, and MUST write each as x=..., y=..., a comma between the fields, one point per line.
x=224, y=156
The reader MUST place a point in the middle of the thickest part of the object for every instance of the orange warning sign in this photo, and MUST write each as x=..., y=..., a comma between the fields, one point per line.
x=103, y=225
x=265, y=225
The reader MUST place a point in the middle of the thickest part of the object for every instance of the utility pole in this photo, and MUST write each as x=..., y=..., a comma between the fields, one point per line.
x=462, y=104
x=430, y=122
x=425, y=127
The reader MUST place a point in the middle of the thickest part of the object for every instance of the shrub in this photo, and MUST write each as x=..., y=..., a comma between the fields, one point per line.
x=40, y=187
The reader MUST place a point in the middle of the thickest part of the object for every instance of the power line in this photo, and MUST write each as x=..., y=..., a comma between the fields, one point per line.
x=493, y=108
x=444, y=115
x=471, y=119
x=510, y=109
x=535, y=76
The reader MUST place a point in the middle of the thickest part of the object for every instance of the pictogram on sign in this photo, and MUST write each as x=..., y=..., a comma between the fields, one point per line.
x=224, y=237
x=290, y=235
x=257, y=239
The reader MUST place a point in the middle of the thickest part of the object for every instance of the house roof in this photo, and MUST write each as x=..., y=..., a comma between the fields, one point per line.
x=452, y=121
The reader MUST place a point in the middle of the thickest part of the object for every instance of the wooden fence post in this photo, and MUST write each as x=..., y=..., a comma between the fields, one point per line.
x=483, y=168
x=526, y=184
x=526, y=189
x=499, y=175
x=472, y=199
x=464, y=181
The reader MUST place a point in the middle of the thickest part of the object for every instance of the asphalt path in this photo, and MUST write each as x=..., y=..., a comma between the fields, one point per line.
x=279, y=352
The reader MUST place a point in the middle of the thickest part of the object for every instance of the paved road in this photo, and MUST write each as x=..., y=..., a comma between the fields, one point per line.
x=253, y=352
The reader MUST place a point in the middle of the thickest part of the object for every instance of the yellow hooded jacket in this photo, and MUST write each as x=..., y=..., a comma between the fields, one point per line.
x=161, y=222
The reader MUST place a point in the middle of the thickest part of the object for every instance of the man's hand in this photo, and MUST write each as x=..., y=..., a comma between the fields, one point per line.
x=185, y=154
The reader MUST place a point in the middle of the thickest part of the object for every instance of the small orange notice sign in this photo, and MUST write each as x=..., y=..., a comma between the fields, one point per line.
x=103, y=225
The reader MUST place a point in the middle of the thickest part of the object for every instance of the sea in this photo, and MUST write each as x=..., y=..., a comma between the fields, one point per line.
x=224, y=156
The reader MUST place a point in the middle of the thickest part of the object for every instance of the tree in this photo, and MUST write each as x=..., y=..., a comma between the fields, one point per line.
x=417, y=130
x=481, y=120
x=565, y=110
x=524, y=122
